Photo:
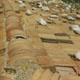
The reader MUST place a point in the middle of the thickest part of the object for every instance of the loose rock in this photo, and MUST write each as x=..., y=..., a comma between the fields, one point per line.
x=54, y=16
x=42, y=21
x=28, y=12
x=77, y=55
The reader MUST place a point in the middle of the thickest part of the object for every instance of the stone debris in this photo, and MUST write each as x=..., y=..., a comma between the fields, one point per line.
x=28, y=12
x=42, y=21
x=51, y=19
x=56, y=5
x=75, y=28
x=45, y=2
x=49, y=2
x=54, y=16
x=64, y=15
x=20, y=1
x=22, y=5
x=39, y=5
x=54, y=12
x=45, y=8
x=78, y=16
x=33, y=8
x=71, y=18
x=77, y=55
x=68, y=7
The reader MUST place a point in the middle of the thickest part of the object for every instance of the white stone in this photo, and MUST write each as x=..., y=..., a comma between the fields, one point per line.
x=22, y=5
x=42, y=21
x=75, y=28
x=54, y=16
x=71, y=18
x=45, y=2
x=40, y=5
x=78, y=16
x=64, y=15
x=33, y=8
x=19, y=1
x=45, y=8
x=49, y=2
x=56, y=5
x=28, y=12
x=51, y=19
x=67, y=8
x=77, y=55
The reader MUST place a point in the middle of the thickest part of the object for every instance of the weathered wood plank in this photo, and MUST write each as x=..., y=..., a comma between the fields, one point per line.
x=55, y=76
x=37, y=75
x=47, y=75
x=70, y=78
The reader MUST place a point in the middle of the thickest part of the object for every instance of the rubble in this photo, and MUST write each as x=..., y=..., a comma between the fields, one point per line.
x=45, y=8
x=75, y=28
x=20, y=1
x=77, y=55
x=51, y=19
x=78, y=16
x=45, y=2
x=33, y=8
x=71, y=18
x=54, y=16
x=68, y=7
x=42, y=21
x=22, y=5
x=64, y=15
x=49, y=2
x=39, y=5
x=28, y=12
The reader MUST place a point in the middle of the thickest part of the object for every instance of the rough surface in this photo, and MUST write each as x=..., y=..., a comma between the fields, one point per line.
x=24, y=69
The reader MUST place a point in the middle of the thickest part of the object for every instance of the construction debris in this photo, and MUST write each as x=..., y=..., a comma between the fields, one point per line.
x=64, y=15
x=77, y=55
x=51, y=19
x=28, y=12
x=78, y=16
x=75, y=28
x=20, y=1
x=71, y=18
x=54, y=16
x=45, y=8
x=39, y=5
x=22, y=5
x=42, y=21
x=33, y=8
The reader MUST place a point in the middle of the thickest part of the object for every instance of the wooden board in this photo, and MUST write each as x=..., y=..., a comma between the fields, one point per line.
x=47, y=75
x=66, y=71
x=70, y=78
x=55, y=76
x=2, y=33
x=45, y=61
x=37, y=75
